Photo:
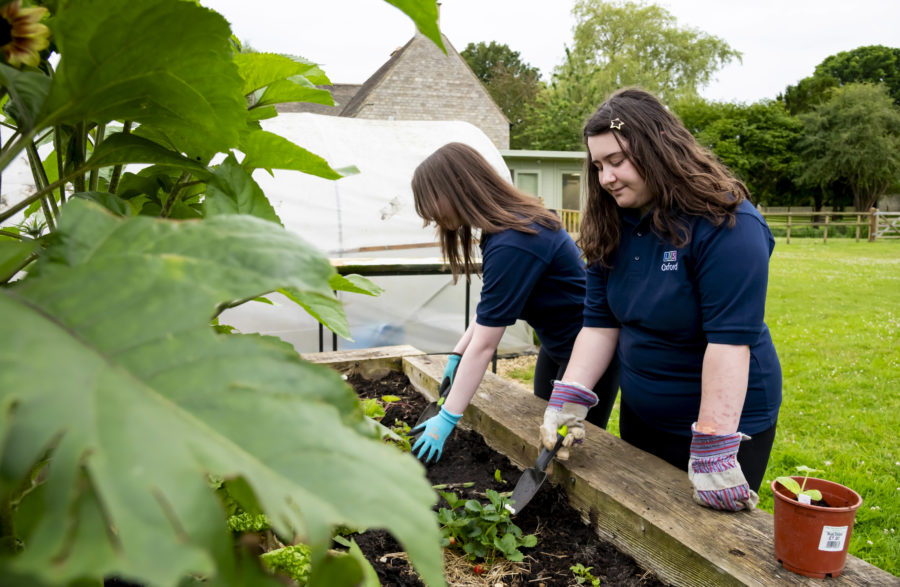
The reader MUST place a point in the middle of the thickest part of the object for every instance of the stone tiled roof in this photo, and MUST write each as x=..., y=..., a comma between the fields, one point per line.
x=419, y=82
x=376, y=78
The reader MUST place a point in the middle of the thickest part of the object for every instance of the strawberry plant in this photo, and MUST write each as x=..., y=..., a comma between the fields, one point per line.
x=122, y=395
x=483, y=531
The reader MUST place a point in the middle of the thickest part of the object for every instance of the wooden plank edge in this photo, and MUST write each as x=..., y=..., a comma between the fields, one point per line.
x=371, y=363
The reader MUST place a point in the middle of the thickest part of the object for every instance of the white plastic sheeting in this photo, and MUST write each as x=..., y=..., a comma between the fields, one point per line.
x=373, y=208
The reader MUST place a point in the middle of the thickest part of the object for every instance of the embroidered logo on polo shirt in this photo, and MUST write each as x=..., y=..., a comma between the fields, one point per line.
x=670, y=261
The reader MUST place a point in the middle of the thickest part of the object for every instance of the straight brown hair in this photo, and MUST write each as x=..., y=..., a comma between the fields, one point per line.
x=683, y=177
x=457, y=189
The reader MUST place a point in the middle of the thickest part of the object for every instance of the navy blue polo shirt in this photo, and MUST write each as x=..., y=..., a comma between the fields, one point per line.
x=670, y=302
x=539, y=278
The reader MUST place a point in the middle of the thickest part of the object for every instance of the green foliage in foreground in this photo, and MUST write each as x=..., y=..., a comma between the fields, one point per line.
x=114, y=367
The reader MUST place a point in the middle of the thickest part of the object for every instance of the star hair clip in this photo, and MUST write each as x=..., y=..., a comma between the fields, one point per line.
x=616, y=123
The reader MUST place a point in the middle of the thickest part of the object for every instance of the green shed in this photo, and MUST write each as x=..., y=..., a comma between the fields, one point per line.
x=552, y=176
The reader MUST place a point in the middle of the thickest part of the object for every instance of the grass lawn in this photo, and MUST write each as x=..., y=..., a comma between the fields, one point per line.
x=834, y=313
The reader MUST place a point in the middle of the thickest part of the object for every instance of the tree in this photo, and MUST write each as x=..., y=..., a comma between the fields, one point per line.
x=512, y=83
x=617, y=45
x=629, y=43
x=854, y=139
x=875, y=64
x=757, y=142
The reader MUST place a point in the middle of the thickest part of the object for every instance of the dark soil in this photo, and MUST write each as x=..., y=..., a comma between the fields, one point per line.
x=563, y=538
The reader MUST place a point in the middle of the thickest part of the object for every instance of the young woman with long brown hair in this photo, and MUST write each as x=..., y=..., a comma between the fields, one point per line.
x=677, y=274
x=531, y=270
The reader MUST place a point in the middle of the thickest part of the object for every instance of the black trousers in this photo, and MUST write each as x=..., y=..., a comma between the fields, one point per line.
x=546, y=370
x=753, y=456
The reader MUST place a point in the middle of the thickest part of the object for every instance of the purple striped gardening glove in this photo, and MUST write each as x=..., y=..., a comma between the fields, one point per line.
x=568, y=406
x=715, y=473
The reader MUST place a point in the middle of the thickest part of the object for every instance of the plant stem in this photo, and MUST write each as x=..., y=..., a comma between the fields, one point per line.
x=99, y=134
x=25, y=262
x=10, y=152
x=80, y=154
x=9, y=212
x=21, y=237
x=57, y=146
x=173, y=194
x=117, y=170
x=40, y=180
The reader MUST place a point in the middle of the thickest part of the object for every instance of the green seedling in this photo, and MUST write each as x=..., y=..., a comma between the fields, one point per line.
x=799, y=490
x=498, y=477
x=292, y=561
x=374, y=407
x=482, y=531
x=583, y=575
x=247, y=522
x=399, y=435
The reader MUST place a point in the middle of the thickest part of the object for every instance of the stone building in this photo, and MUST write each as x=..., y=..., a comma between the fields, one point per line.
x=419, y=82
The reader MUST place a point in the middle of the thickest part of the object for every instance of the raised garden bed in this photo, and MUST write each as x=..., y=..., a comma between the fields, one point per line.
x=563, y=538
x=631, y=499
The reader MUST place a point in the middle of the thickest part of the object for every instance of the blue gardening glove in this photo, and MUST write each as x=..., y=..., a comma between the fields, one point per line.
x=715, y=473
x=450, y=369
x=568, y=406
x=432, y=434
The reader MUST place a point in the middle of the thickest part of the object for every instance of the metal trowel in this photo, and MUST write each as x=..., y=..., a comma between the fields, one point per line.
x=434, y=408
x=532, y=478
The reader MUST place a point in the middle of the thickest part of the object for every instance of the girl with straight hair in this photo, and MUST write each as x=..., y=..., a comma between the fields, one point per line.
x=531, y=270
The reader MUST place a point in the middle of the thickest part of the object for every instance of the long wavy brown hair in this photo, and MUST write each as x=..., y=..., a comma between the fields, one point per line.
x=683, y=177
x=457, y=189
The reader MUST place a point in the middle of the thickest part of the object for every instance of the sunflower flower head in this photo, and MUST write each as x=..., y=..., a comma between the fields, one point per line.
x=22, y=36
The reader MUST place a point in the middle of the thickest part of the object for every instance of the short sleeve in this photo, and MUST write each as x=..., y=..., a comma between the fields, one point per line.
x=732, y=271
x=597, y=313
x=509, y=274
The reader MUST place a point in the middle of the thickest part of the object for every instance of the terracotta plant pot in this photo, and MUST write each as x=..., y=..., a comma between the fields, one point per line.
x=812, y=540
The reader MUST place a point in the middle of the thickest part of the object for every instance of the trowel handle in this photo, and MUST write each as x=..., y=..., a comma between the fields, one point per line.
x=547, y=455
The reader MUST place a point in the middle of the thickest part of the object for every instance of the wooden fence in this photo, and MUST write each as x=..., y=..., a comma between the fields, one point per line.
x=873, y=224
x=571, y=220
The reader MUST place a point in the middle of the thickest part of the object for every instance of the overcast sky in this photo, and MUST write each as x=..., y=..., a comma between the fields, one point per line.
x=781, y=40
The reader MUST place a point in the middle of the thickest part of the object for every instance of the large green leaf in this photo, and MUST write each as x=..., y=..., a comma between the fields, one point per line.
x=425, y=14
x=115, y=366
x=161, y=63
x=294, y=90
x=324, y=308
x=27, y=91
x=355, y=283
x=259, y=70
x=266, y=150
x=121, y=149
x=233, y=191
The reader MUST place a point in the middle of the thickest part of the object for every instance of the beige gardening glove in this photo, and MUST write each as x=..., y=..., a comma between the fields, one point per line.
x=568, y=406
x=715, y=473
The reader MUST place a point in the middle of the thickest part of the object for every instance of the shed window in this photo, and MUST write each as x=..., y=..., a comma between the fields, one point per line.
x=571, y=191
x=527, y=181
